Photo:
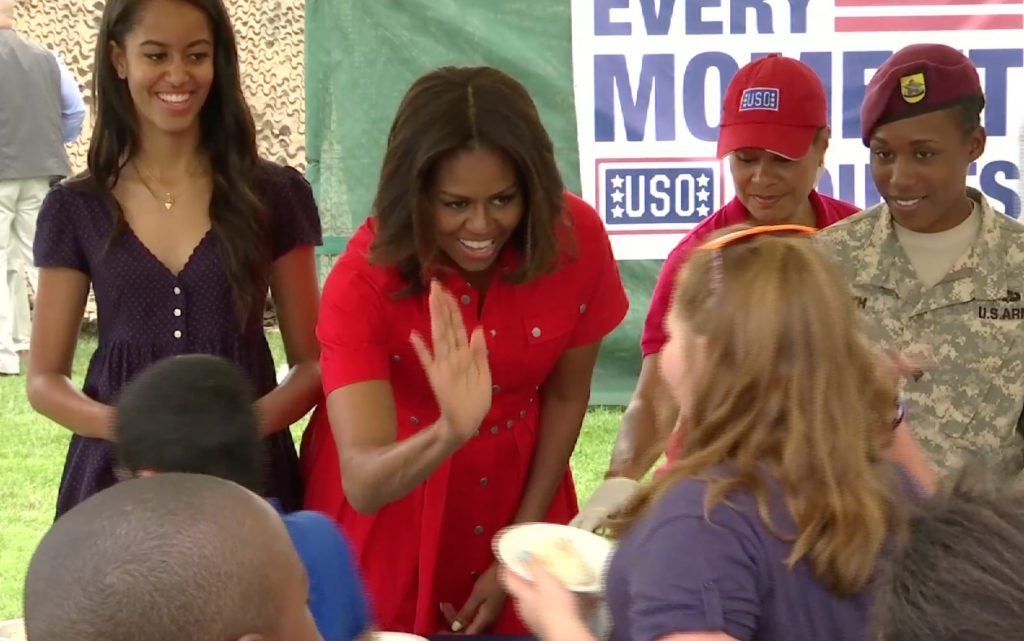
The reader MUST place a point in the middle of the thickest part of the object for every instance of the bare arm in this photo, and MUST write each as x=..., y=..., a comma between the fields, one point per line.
x=565, y=396
x=648, y=421
x=376, y=468
x=60, y=305
x=296, y=292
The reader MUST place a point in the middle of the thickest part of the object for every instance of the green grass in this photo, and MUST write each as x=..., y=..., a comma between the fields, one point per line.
x=32, y=453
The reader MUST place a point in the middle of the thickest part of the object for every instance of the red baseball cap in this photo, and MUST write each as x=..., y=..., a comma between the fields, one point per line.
x=773, y=103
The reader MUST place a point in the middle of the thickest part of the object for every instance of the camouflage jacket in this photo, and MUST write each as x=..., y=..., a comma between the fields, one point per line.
x=972, y=321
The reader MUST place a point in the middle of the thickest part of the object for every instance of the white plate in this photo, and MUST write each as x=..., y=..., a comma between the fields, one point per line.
x=396, y=636
x=526, y=537
x=9, y=630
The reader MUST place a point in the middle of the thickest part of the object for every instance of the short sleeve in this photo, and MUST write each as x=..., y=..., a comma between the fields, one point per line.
x=294, y=216
x=58, y=241
x=708, y=586
x=352, y=328
x=606, y=301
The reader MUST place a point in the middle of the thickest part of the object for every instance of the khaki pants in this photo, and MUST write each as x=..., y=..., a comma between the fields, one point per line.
x=20, y=200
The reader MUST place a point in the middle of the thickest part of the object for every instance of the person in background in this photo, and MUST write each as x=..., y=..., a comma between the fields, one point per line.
x=194, y=414
x=42, y=110
x=175, y=556
x=427, y=447
x=774, y=133
x=179, y=227
x=957, y=574
x=934, y=267
x=773, y=521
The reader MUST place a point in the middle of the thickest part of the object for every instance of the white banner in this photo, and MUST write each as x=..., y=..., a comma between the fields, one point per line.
x=649, y=77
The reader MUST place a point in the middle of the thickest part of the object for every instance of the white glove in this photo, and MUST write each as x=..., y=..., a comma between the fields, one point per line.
x=610, y=496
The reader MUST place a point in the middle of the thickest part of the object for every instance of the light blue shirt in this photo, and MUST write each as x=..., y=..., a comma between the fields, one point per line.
x=72, y=105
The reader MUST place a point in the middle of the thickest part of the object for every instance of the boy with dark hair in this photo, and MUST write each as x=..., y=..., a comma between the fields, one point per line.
x=191, y=414
x=196, y=414
x=168, y=558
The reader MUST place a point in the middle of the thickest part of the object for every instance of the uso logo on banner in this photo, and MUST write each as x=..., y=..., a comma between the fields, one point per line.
x=650, y=76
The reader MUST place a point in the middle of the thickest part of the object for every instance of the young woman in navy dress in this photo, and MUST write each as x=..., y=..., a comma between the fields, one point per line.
x=180, y=228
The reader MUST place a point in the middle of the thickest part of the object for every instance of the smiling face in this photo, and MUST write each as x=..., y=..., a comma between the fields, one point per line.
x=167, y=62
x=920, y=166
x=775, y=189
x=477, y=206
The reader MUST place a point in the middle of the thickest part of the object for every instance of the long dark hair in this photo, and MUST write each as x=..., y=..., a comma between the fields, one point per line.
x=445, y=111
x=228, y=139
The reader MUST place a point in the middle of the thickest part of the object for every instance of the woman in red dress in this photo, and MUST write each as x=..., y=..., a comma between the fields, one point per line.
x=471, y=228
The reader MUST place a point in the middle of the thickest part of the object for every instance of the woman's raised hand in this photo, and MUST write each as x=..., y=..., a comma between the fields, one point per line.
x=457, y=368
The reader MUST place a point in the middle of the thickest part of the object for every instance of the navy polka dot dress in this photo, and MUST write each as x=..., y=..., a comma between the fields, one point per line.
x=146, y=313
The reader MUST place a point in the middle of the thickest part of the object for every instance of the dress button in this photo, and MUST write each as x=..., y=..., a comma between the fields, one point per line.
x=536, y=332
x=494, y=430
x=509, y=424
x=496, y=388
x=522, y=414
x=583, y=308
x=494, y=333
x=177, y=333
x=396, y=358
x=474, y=574
x=483, y=481
x=478, y=529
x=177, y=312
x=466, y=300
x=177, y=290
x=414, y=420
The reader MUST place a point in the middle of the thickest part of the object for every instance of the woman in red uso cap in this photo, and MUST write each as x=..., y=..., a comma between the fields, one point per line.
x=935, y=267
x=775, y=132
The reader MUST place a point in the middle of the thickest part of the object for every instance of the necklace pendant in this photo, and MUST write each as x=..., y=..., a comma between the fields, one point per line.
x=169, y=202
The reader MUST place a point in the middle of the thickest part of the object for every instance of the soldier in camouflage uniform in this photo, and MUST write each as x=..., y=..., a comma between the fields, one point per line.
x=935, y=267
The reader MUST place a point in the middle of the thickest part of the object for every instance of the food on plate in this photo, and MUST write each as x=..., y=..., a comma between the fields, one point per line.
x=13, y=631
x=564, y=560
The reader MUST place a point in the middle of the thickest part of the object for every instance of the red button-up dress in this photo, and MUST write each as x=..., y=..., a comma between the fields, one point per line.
x=429, y=547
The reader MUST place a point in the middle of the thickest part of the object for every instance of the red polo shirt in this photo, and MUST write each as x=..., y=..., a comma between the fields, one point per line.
x=826, y=211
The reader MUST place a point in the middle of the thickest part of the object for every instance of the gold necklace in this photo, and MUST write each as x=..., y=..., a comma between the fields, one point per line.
x=168, y=201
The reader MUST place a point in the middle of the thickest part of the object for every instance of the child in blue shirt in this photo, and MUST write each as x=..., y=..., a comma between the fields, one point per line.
x=196, y=414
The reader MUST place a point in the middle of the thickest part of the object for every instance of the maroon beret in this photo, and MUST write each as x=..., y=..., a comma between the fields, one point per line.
x=917, y=80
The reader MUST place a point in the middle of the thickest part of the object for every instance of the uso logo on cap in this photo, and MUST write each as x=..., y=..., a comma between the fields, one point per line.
x=759, y=98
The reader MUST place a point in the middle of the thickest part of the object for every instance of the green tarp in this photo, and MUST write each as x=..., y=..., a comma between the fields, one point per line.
x=361, y=56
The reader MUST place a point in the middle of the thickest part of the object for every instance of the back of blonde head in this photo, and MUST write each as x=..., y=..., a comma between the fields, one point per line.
x=789, y=390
